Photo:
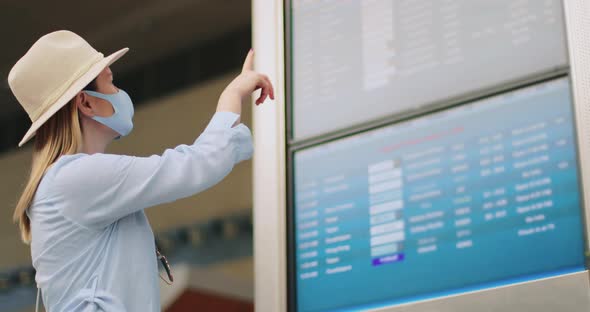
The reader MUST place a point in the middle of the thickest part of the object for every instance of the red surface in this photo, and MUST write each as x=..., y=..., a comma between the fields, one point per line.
x=194, y=300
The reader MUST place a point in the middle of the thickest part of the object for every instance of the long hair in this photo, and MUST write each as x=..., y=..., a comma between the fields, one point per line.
x=60, y=135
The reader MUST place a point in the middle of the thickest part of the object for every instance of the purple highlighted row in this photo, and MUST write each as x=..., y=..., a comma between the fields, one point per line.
x=388, y=259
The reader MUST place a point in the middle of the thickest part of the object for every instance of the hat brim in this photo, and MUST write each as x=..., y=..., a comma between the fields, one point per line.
x=71, y=92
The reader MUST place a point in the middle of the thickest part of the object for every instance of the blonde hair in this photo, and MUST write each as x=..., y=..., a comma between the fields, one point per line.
x=60, y=135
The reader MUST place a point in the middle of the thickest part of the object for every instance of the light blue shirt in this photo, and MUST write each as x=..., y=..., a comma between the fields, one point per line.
x=92, y=245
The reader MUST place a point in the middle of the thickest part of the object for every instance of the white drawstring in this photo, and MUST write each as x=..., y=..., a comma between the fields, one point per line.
x=37, y=302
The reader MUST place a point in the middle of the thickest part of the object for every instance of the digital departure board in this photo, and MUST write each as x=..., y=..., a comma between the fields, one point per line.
x=471, y=197
x=352, y=62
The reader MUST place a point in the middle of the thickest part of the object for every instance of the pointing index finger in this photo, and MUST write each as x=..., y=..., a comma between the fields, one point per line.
x=249, y=62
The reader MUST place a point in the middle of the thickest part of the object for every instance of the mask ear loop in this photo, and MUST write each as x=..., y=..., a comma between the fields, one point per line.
x=98, y=95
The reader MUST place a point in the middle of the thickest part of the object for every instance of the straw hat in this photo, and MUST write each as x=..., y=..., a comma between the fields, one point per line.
x=57, y=67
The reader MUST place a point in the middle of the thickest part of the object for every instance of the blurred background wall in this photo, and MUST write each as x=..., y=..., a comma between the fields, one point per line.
x=182, y=54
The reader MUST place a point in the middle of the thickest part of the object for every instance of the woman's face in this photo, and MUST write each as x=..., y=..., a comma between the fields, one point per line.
x=104, y=84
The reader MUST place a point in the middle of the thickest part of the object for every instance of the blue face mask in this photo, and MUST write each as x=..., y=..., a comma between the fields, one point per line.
x=122, y=119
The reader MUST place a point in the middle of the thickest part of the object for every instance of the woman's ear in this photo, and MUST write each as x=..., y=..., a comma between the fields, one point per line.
x=82, y=101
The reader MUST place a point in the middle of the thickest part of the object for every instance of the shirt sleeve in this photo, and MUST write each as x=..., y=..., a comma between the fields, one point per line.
x=99, y=189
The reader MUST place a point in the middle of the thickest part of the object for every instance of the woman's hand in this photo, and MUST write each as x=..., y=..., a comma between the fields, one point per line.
x=242, y=86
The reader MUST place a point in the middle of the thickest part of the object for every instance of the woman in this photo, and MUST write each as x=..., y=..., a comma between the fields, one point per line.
x=82, y=209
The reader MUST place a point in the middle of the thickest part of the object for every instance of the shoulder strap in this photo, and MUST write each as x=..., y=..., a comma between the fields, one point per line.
x=37, y=302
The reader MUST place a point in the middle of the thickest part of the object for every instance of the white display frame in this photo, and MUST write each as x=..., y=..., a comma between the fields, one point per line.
x=570, y=292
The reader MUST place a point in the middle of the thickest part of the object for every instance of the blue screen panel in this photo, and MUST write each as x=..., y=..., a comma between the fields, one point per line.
x=476, y=196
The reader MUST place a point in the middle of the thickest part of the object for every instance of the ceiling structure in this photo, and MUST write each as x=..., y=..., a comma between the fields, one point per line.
x=152, y=29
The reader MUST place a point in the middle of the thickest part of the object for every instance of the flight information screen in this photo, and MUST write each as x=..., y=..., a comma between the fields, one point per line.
x=476, y=196
x=383, y=57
